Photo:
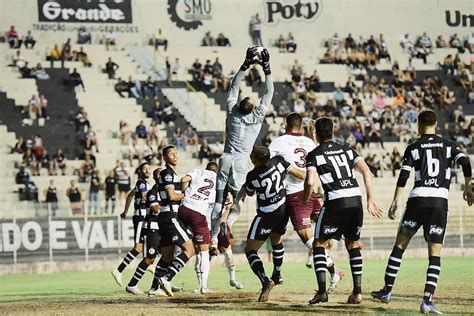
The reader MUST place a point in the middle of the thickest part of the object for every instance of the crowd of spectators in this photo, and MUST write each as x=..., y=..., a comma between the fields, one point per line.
x=221, y=40
x=209, y=77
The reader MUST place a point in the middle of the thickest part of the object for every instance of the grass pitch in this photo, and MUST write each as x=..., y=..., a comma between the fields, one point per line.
x=96, y=292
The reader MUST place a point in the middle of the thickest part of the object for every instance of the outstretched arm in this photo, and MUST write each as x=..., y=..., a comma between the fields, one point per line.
x=233, y=95
x=361, y=167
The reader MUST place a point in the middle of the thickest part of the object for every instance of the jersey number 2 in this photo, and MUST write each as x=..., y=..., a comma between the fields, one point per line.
x=205, y=189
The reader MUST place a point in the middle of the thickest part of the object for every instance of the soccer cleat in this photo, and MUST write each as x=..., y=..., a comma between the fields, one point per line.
x=166, y=286
x=354, y=299
x=265, y=292
x=151, y=269
x=176, y=289
x=382, y=295
x=277, y=279
x=133, y=290
x=429, y=308
x=319, y=298
x=156, y=292
x=308, y=265
x=336, y=277
x=118, y=277
x=236, y=284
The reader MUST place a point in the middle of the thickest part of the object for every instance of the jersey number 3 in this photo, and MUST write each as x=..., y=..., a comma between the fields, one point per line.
x=301, y=163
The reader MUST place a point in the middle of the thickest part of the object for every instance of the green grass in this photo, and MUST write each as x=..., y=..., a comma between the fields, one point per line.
x=96, y=292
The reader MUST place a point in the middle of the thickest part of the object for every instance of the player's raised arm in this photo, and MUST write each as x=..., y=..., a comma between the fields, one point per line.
x=234, y=89
x=268, y=94
x=361, y=167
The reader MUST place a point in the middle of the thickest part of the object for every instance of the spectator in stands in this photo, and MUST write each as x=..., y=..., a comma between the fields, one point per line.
x=334, y=42
x=441, y=42
x=33, y=106
x=29, y=41
x=135, y=151
x=254, y=76
x=82, y=56
x=140, y=131
x=150, y=85
x=75, y=196
x=448, y=65
x=168, y=114
x=43, y=107
x=81, y=121
x=86, y=169
x=134, y=88
x=110, y=38
x=425, y=43
x=349, y=42
x=20, y=146
x=290, y=43
x=281, y=44
x=37, y=145
x=222, y=41
x=417, y=52
x=191, y=137
x=207, y=40
x=121, y=86
x=153, y=135
x=42, y=162
x=66, y=52
x=59, y=162
x=110, y=188
x=383, y=49
x=122, y=176
x=75, y=79
x=51, y=197
x=375, y=136
x=299, y=105
x=125, y=133
x=256, y=30
x=406, y=43
x=178, y=139
x=28, y=160
x=94, y=189
x=175, y=68
x=54, y=55
x=338, y=95
x=465, y=78
x=13, y=38
x=470, y=43
x=40, y=73
x=455, y=42
x=111, y=68
x=205, y=151
x=84, y=36
x=168, y=71
x=90, y=138
x=283, y=109
x=160, y=40
x=396, y=161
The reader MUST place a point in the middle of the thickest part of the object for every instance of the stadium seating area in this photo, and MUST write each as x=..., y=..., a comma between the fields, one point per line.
x=202, y=110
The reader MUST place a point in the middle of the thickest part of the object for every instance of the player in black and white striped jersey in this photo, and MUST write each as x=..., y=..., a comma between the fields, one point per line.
x=432, y=157
x=342, y=212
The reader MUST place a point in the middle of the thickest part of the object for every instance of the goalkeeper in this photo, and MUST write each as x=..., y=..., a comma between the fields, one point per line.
x=243, y=124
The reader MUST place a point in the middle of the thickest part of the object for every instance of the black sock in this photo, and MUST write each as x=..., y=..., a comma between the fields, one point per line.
x=160, y=271
x=176, y=265
x=277, y=255
x=356, y=268
x=331, y=269
x=127, y=259
x=139, y=272
x=319, y=257
x=256, y=265
x=393, y=265
x=432, y=274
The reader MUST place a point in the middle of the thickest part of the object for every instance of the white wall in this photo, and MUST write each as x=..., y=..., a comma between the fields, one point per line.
x=361, y=17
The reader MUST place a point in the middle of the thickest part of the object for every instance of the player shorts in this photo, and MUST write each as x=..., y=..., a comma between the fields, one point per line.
x=233, y=170
x=138, y=228
x=110, y=196
x=124, y=187
x=224, y=237
x=299, y=212
x=265, y=223
x=333, y=223
x=172, y=230
x=198, y=224
x=433, y=220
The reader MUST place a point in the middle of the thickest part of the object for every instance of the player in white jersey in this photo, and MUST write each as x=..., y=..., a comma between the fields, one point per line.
x=200, y=193
x=293, y=146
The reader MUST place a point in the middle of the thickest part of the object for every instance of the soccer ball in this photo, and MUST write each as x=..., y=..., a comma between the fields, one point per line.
x=258, y=55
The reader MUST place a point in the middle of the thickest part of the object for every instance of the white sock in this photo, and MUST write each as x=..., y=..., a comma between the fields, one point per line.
x=205, y=263
x=309, y=260
x=197, y=268
x=229, y=262
x=233, y=214
x=309, y=244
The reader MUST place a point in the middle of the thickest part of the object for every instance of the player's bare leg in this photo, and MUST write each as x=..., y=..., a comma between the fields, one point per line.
x=277, y=255
x=251, y=249
x=355, y=259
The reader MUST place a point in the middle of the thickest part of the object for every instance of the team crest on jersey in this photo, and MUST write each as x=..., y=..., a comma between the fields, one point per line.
x=436, y=230
x=199, y=238
x=152, y=197
x=151, y=251
x=168, y=178
x=175, y=238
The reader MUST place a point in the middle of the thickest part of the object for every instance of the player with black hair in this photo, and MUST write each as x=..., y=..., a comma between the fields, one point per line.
x=433, y=158
x=243, y=124
x=172, y=230
x=267, y=179
x=342, y=213
x=139, y=192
